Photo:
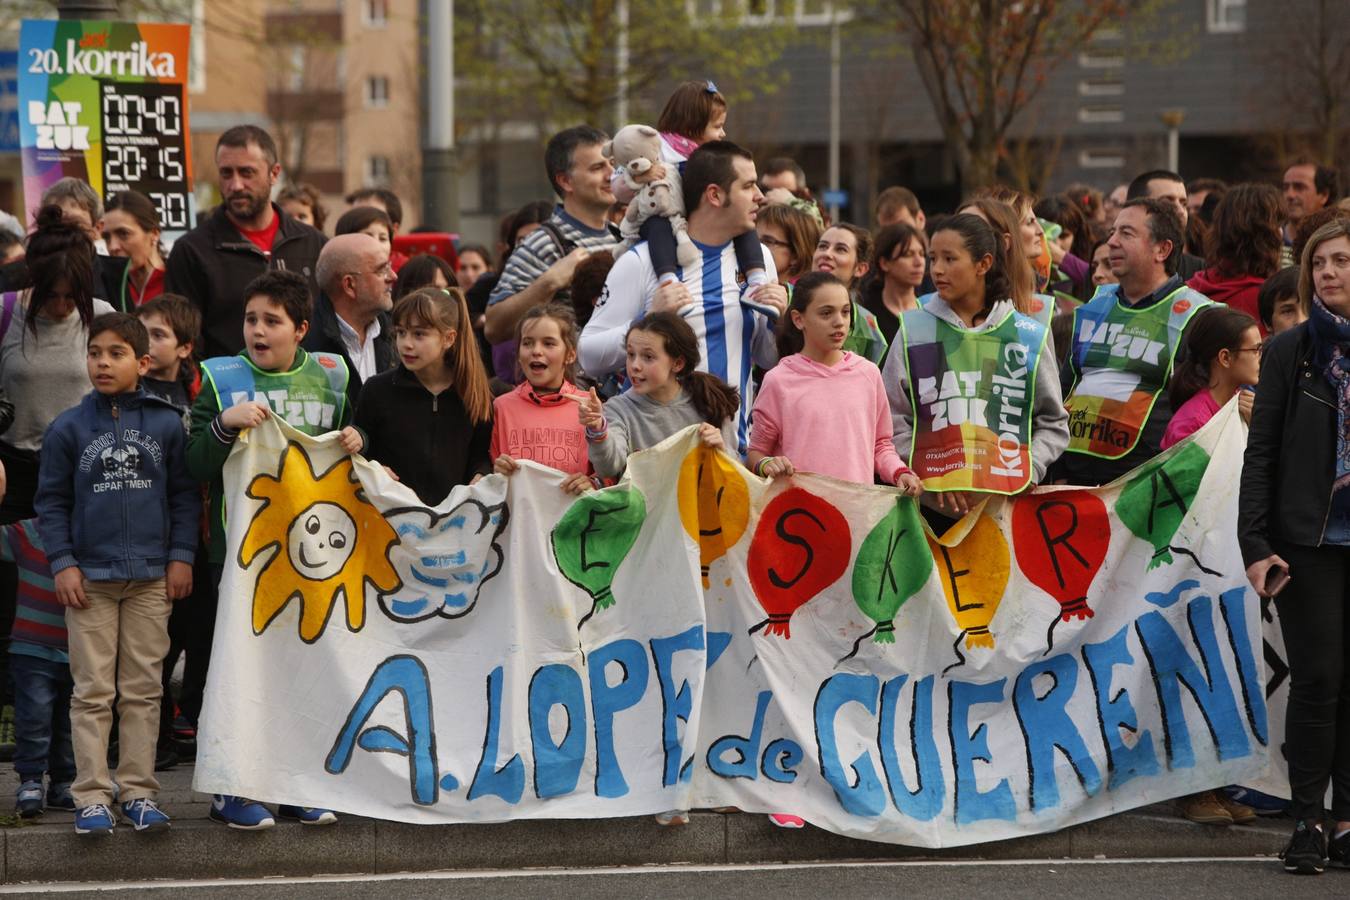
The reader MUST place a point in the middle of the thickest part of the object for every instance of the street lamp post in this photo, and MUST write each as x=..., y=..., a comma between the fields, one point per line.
x=1172, y=118
x=440, y=196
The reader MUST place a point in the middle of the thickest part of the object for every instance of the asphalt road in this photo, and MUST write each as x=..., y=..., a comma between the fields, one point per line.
x=1042, y=880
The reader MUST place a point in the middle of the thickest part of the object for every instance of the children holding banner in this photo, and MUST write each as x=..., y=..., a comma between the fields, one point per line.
x=823, y=409
x=536, y=421
x=429, y=420
x=310, y=391
x=666, y=395
x=973, y=388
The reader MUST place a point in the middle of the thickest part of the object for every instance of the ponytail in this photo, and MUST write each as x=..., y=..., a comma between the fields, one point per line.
x=1213, y=329
x=715, y=400
x=444, y=310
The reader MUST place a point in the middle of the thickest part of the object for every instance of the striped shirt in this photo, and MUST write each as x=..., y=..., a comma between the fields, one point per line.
x=732, y=337
x=39, y=621
x=539, y=250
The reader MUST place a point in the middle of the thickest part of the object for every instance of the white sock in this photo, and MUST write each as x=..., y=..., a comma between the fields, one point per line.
x=666, y=278
x=756, y=277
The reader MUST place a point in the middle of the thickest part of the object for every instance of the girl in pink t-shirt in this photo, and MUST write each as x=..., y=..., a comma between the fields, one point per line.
x=823, y=409
x=538, y=420
x=1221, y=356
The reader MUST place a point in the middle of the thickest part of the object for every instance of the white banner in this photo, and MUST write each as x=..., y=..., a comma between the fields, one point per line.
x=698, y=637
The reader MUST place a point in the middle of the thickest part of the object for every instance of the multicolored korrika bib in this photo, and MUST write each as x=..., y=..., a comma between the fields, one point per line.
x=310, y=397
x=973, y=393
x=1122, y=358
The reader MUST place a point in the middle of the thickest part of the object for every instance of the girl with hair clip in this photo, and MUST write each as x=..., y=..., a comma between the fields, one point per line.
x=695, y=114
x=536, y=421
x=131, y=229
x=666, y=394
x=973, y=388
x=844, y=251
x=429, y=421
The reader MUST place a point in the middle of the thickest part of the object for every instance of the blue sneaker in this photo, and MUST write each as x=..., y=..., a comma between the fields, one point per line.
x=28, y=800
x=1263, y=804
x=145, y=815
x=59, y=796
x=96, y=820
x=240, y=812
x=307, y=815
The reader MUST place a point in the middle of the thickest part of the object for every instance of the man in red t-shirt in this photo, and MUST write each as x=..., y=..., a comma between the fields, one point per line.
x=239, y=240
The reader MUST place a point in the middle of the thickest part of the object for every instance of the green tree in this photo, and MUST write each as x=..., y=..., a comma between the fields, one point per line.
x=557, y=60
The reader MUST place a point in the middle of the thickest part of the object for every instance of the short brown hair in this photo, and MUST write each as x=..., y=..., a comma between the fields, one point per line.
x=690, y=109
x=1164, y=224
x=242, y=135
x=175, y=309
x=124, y=325
x=307, y=194
x=894, y=199
x=286, y=289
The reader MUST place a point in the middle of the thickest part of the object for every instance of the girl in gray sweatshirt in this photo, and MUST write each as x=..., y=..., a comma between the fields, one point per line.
x=665, y=396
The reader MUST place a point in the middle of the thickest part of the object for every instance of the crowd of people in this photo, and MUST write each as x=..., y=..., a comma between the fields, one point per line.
x=1009, y=342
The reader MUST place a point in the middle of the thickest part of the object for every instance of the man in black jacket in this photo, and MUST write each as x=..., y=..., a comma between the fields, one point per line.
x=351, y=314
x=242, y=238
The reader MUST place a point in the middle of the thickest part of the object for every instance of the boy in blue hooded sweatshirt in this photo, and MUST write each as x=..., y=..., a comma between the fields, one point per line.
x=118, y=512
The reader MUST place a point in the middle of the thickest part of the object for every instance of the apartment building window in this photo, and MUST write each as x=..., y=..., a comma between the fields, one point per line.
x=375, y=13
x=377, y=170
x=377, y=92
x=1225, y=16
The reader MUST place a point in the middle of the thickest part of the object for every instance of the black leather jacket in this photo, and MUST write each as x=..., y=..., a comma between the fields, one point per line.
x=1291, y=450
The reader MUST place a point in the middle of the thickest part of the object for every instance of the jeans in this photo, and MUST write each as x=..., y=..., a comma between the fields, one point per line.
x=42, y=742
x=1315, y=618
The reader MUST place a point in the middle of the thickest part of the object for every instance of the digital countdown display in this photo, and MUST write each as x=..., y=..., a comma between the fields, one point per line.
x=144, y=147
x=107, y=103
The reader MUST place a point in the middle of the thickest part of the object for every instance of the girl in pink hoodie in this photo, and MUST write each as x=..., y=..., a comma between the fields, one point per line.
x=823, y=409
x=538, y=420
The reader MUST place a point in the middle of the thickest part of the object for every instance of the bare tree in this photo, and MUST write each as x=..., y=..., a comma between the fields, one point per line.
x=1311, y=79
x=982, y=62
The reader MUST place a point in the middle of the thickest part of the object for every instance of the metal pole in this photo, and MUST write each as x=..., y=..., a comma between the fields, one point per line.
x=621, y=67
x=1173, y=118
x=440, y=198
x=834, y=110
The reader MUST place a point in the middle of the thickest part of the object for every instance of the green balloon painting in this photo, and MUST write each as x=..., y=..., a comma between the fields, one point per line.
x=1154, y=503
x=592, y=538
x=893, y=564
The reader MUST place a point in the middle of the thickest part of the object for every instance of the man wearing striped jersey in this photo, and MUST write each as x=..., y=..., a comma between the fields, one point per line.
x=542, y=264
x=735, y=328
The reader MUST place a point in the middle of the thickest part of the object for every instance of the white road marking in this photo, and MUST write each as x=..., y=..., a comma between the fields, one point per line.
x=655, y=869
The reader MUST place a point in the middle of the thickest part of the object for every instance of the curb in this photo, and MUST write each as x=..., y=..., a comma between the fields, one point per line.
x=197, y=849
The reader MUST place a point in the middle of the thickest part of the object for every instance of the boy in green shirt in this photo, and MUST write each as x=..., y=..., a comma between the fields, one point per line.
x=272, y=376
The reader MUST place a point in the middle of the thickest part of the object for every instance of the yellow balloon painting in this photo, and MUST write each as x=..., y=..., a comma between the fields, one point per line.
x=973, y=565
x=714, y=504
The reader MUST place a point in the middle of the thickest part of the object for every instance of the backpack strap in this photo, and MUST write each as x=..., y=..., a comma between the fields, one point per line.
x=564, y=245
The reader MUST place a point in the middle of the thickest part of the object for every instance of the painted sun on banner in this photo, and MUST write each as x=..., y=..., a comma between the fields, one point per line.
x=698, y=637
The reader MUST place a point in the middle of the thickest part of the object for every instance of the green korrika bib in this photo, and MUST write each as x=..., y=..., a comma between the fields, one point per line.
x=1122, y=359
x=973, y=396
x=310, y=397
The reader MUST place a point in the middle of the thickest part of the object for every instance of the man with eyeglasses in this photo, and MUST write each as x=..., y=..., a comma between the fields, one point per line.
x=1125, y=342
x=351, y=314
x=245, y=236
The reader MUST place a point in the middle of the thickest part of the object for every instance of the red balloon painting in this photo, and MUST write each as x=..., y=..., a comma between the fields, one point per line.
x=1061, y=539
x=802, y=545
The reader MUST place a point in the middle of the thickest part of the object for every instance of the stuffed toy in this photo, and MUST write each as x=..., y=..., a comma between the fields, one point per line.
x=637, y=149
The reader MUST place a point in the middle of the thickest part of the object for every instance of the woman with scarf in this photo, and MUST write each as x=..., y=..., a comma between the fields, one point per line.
x=1294, y=530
